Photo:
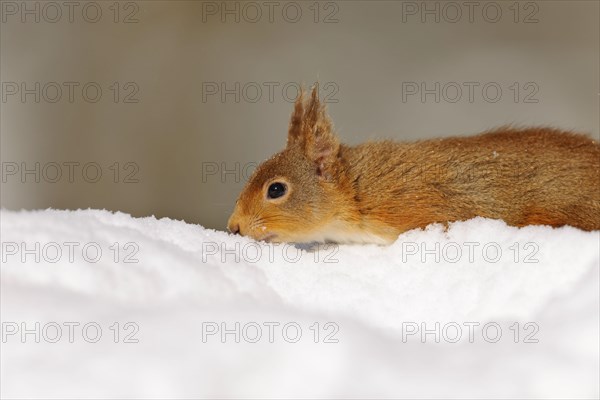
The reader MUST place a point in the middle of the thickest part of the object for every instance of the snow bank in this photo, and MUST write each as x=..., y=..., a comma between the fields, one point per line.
x=102, y=305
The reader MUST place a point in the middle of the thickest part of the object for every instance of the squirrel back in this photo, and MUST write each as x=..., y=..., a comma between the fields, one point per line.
x=320, y=190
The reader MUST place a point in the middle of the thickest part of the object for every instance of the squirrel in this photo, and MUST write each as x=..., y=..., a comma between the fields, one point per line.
x=319, y=190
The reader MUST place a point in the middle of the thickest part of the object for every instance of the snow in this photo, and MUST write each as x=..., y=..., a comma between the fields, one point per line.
x=190, y=282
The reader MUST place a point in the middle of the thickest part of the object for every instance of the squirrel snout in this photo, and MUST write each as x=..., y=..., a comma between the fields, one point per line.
x=234, y=228
x=233, y=224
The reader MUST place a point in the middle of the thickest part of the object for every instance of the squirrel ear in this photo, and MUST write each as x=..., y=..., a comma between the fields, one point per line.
x=295, y=128
x=312, y=129
x=321, y=145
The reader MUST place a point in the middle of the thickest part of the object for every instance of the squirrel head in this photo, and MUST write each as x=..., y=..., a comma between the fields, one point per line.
x=294, y=193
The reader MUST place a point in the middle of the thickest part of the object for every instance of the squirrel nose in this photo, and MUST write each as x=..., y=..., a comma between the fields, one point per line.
x=234, y=223
x=234, y=228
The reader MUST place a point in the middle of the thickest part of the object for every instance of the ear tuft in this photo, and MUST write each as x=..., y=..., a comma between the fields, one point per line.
x=312, y=129
x=295, y=128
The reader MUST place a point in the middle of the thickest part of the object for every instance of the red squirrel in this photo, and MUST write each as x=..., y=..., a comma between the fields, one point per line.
x=319, y=190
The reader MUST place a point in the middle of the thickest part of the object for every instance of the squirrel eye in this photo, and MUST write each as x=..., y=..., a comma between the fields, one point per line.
x=276, y=190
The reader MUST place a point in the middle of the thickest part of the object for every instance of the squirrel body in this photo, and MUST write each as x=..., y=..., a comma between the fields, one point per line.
x=318, y=190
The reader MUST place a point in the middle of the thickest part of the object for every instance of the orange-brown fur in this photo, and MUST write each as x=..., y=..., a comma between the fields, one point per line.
x=375, y=191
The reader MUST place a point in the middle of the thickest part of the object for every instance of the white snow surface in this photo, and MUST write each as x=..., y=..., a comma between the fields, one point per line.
x=366, y=300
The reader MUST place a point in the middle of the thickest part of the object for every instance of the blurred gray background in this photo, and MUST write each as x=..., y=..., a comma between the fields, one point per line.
x=195, y=94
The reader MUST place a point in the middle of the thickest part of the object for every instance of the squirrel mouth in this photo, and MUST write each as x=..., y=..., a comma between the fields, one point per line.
x=267, y=238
